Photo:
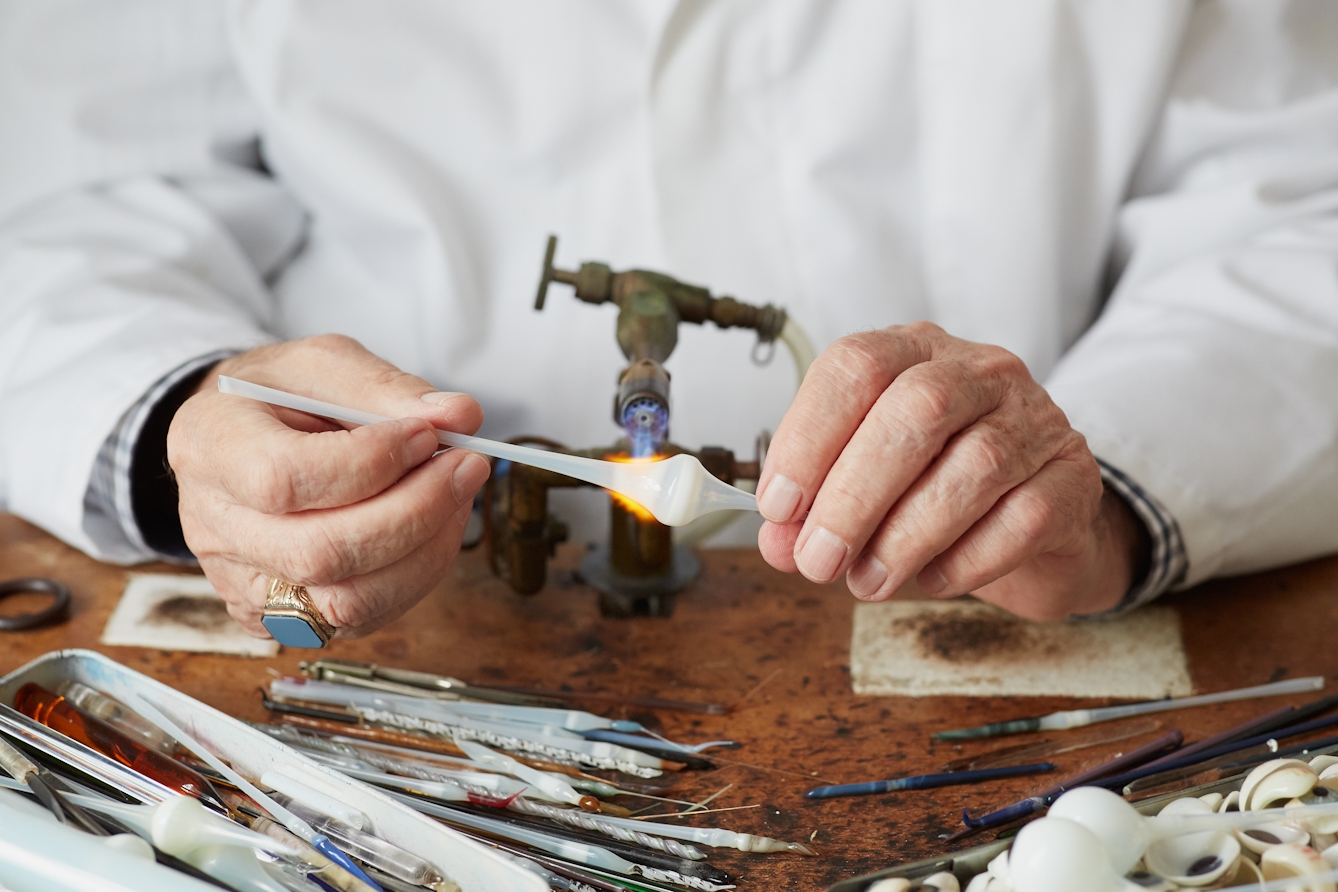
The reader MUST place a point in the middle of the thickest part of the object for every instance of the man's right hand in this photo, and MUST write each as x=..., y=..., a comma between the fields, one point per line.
x=366, y=518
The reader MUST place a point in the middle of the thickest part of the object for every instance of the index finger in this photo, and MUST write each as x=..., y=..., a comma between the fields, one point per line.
x=840, y=388
x=337, y=369
x=245, y=450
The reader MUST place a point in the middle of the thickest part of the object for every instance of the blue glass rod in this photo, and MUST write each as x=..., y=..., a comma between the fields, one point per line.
x=926, y=781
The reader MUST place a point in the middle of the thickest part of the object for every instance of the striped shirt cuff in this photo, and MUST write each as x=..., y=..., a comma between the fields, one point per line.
x=1169, y=560
x=109, y=487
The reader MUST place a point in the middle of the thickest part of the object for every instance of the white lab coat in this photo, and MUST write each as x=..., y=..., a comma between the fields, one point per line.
x=860, y=162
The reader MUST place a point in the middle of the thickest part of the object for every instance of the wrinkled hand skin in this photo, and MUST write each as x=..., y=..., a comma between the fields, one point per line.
x=366, y=518
x=915, y=462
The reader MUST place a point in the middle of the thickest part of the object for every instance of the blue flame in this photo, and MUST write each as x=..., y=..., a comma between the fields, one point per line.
x=647, y=426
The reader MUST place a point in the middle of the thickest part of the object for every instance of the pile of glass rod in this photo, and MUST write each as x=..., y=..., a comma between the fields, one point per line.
x=547, y=786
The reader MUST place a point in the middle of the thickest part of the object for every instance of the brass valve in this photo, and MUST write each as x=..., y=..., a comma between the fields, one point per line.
x=650, y=306
x=641, y=568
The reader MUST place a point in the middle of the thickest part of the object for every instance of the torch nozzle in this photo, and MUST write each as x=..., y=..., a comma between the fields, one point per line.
x=646, y=422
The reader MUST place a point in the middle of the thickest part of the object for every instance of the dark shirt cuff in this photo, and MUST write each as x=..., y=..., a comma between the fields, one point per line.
x=1169, y=560
x=132, y=485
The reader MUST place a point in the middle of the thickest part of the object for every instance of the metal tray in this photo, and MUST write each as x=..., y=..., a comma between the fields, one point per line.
x=475, y=867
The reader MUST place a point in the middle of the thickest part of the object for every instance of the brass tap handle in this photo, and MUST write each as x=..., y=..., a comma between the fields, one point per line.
x=591, y=283
x=596, y=283
x=548, y=274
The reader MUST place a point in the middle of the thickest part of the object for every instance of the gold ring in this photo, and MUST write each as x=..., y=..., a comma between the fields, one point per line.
x=292, y=619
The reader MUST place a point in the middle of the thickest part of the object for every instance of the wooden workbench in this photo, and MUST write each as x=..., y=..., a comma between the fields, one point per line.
x=741, y=628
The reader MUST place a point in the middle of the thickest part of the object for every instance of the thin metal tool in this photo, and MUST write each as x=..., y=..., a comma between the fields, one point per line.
x=585, y=854
x=583, y=752
x=715, y=837
x=624, y=700
x=631, y=851
x=389, y=686
x=48, y=789
x=674, y=752
x=597, y=824
x=330, y=676
x=323, y=669
x=372, y=692
x=928, y=781
x=699, y=807
x=701, y=811
x=1077, y=718
x=404, y=759
x=432, y=745
x=552, y=743
x=1023, y=753
x=284, y=707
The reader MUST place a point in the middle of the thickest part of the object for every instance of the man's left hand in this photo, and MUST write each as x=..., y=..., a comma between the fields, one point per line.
x=910, y=457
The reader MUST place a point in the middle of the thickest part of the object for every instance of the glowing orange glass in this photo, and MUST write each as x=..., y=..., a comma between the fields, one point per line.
x=634, y=508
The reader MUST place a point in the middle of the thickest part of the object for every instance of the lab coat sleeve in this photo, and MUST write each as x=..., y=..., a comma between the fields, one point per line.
x=105, y=291
x=1212, y=376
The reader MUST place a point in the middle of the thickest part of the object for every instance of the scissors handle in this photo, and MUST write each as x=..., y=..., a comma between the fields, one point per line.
x=56, y=611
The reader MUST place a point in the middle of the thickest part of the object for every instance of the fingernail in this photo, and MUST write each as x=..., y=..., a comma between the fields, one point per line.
x=866, y=577
x=821, y=555
x=931, y=579
x=441, y=397
x=780, y=499
x=469, y=476
x=419, y=448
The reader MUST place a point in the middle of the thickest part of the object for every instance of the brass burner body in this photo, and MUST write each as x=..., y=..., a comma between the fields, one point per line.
x=640, y=569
